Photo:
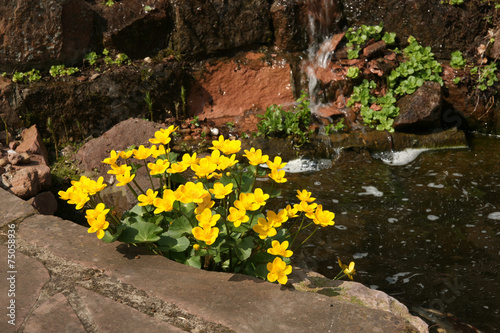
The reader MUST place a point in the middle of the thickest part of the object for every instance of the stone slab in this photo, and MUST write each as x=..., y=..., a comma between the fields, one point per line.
x=242, y=303
x=12, y=208
x=111, y=316
x=55, y=315
x=29, y=277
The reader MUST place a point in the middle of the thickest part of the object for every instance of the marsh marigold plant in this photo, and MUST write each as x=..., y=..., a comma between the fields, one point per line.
x=205, y=211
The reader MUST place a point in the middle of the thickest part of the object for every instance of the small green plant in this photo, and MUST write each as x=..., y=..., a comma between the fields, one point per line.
x=4, y=74
x=357, y=37
x=457, y=80
x=457, y=60
x=109, y=3
x=352, y=72
x=92, y=58
x=230, y=125
x=23, y=77
x=338, y=127
x=280, y=123
x=61, y=70
x=149, y=103
x=487, y=76
x=456, y=2
x=147, y=9
x=389, y=38
x=195, y=121
x=119, y=60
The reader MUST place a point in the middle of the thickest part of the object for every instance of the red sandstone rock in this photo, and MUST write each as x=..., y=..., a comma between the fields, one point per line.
x=230, y=91
x=32, y=143
x=374, y=49
x=45, y=203
x=25, y=183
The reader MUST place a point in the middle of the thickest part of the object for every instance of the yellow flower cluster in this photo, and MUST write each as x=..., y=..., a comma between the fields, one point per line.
x=313, y=211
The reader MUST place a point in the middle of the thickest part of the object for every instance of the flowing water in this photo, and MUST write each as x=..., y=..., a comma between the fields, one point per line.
x=422, y=226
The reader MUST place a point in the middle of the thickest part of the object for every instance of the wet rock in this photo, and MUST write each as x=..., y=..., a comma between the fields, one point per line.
x=443, y=27
x=420, y=111
x=289, y=18
x=374, y=49
x=45, y=203
x=237, y=92
x=133, y=30
x=204, y=27
x=52, y=31
x=32, y=143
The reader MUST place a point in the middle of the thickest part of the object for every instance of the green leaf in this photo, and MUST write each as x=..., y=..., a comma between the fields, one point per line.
x=140, y=232
x=173, y=244
x=243, y=248
x=194, y=261
x=179, y=227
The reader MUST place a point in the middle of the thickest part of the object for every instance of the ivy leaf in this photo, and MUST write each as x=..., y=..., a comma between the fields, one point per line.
x=140, y=232
x=168, y=243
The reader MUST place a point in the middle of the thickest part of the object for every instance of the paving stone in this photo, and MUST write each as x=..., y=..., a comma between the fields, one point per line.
x=54, y=316
x=240, y=302
x=111, y=316
x=30, y=276
x=12, y=208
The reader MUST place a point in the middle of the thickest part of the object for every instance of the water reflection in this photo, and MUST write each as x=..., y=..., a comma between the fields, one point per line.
x=427, y=232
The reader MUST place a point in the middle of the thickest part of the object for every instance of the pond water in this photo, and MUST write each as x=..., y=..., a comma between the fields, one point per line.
x=422, y=226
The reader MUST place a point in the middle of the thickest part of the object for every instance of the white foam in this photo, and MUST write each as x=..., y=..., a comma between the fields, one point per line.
x=403, y=157
x=494, y=216
x=371, y=190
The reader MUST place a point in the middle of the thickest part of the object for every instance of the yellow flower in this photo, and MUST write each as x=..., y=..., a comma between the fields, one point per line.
x=291, y=212
x=349, y=271
x=305, y=196
x=90, y=186
x=142, y=153
x=92, y=214
x=278, y=270
x=166, y=203
x=264, y=228
x=112, y=158
x=260, y=197
x=177, y=168
x=276, y=164
x=206, y=234
x=126, y=154
x=280, y=249
x=204, y=169
x=125, y=178
x=306, y=208
x=157, y=151
x=196, y=247
x=247, y=201
x=226, y=162
x=148, y=198
x=98, y=225
x=255, y=157
x=119, y=169
x=191, y=192
x=189, y=160
x=227, y=147
x=237, y=215
x=74, y=196
x=277, y=219
x=278, y=176
x=220, y=191
x=159, y=167
x=214, y=157
x=323, y=217
x=206, y=203
x=207, y=219
x=162, y=136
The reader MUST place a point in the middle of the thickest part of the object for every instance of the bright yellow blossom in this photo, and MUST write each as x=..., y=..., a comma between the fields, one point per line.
x=98, y=225
x=291, y=212
x=157, y=151
x=306, y=208
x=92, y=214
x=148, y=198
x=112, y=158
x=305, y=196
x=226, y=162
x=166, y=203
x=206, y=203
x=159, y=167
x=125, y=178
x=119, y=169
x=126, y=154
x=220, y=191
x=277, y=219
x=214, y=157
x=91, y=186
x=278, y=270
x=277, y=164
x=280, y=249
x=260, y=197
x=255, y=157
x=247, y=201
x=204, y=169
x=206, y=234
x=196, y=247
x=162, y=136
x=207, y=219
x=227, y=147
x=189, y=160
x=237, y=215
x=264, y=228
x=142, y=153
x=278, y=176
x=177, y=168
x=349, y=271
x=323, y=217
x=191, y=192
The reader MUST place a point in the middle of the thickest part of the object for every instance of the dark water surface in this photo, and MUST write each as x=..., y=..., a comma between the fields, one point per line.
x=427, y=232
